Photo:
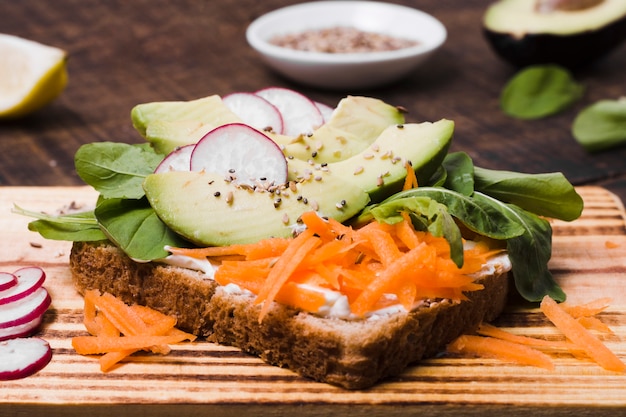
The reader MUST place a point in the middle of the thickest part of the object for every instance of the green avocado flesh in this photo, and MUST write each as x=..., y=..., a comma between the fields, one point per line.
x=356, y=123
x=561, y=17
x=380, y=169
x=570, y=33
x=209, y=211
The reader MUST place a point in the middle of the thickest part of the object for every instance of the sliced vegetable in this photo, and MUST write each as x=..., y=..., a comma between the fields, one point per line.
x=364, y=264
x=29, y=279
x=300, y=114
x=119, y=330
x=580, y=336
x=22, y=357
x=255, y=111
x=241, y=154
x=24, y=310
x=7, y=281
x=500, y=349
x=177, y=160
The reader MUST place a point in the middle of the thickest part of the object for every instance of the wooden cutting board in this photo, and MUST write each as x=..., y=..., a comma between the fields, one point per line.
x=589, y=261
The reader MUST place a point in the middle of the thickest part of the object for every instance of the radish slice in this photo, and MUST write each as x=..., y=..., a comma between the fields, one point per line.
x=177, y=160
x=25, y=309
x=29, y=279
x=20, y=357
x=300, y=114
x=255, y=111
x=242, y=154
x=7, y=281
x=21, y=330
x=326, y=110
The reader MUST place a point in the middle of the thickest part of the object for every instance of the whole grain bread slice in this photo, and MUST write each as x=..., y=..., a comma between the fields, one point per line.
x=353, y=354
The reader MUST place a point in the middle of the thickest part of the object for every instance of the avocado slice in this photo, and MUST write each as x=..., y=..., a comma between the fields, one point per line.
x=171, y=124
x=209, y=211
x=355, y=123
x=380, y=169
x=571, y=33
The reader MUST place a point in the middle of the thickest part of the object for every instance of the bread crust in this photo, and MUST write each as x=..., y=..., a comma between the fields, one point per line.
x=353, y=354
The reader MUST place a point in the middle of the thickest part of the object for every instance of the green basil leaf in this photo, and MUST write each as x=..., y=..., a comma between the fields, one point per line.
x=116, y=170
x=529, y=254
x=135, y=228
x=426, y=214
x=539, y=91
x=460, y=169
x=602, y=125
x=550, y=194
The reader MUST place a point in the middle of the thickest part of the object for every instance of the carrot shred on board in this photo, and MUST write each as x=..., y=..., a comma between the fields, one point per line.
x=588, y=309
x=580, y=336
x=118, y=330
x=500, y=349
x=497, y=333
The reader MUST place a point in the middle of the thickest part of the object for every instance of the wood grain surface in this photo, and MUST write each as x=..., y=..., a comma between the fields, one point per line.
x=206, y=379
x=123, y=53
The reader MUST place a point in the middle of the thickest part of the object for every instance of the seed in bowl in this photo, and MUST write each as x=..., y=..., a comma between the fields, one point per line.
x=341, y=40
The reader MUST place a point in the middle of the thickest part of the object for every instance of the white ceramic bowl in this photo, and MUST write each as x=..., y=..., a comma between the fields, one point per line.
x=346, y=70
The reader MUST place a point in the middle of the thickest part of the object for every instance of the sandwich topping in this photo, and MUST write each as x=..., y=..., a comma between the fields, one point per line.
x=359, y=214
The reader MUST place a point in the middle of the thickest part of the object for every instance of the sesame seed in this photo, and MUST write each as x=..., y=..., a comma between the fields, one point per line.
x=230, y=197
x=358, y=170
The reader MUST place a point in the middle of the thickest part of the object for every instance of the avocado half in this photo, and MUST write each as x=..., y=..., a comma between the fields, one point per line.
x=570, y=33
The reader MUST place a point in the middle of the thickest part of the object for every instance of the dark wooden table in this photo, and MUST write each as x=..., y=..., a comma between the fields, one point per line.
x=127, y=52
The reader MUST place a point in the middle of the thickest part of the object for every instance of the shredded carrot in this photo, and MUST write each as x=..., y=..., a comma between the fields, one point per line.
x=118, y=330
x=588, y=309
x=580, y=336
x=410, y=181
x=284, y=267
x=500, y=349
x=367, y=265
x=495, y=332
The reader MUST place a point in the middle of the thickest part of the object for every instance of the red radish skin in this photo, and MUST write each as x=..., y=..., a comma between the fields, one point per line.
x=242, y=154
x=25, y=309
x=22, y=357
x=255, y=111
x=7, y=281
x=177, y=160
x=29, y=279
x=21, y=330
x=300, y=114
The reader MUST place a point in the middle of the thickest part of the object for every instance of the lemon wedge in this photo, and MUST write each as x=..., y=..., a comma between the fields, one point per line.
x=31, y=75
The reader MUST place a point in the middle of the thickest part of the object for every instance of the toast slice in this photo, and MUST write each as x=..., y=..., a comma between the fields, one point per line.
x=353, y=354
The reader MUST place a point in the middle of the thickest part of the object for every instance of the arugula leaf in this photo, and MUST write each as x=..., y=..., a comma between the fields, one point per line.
x=75, y=227
x=540, y=90
x=116, y=170
x=529, y=254
x=135, y=228
x=550, y=195
x=601, y=125
x=426, y=214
